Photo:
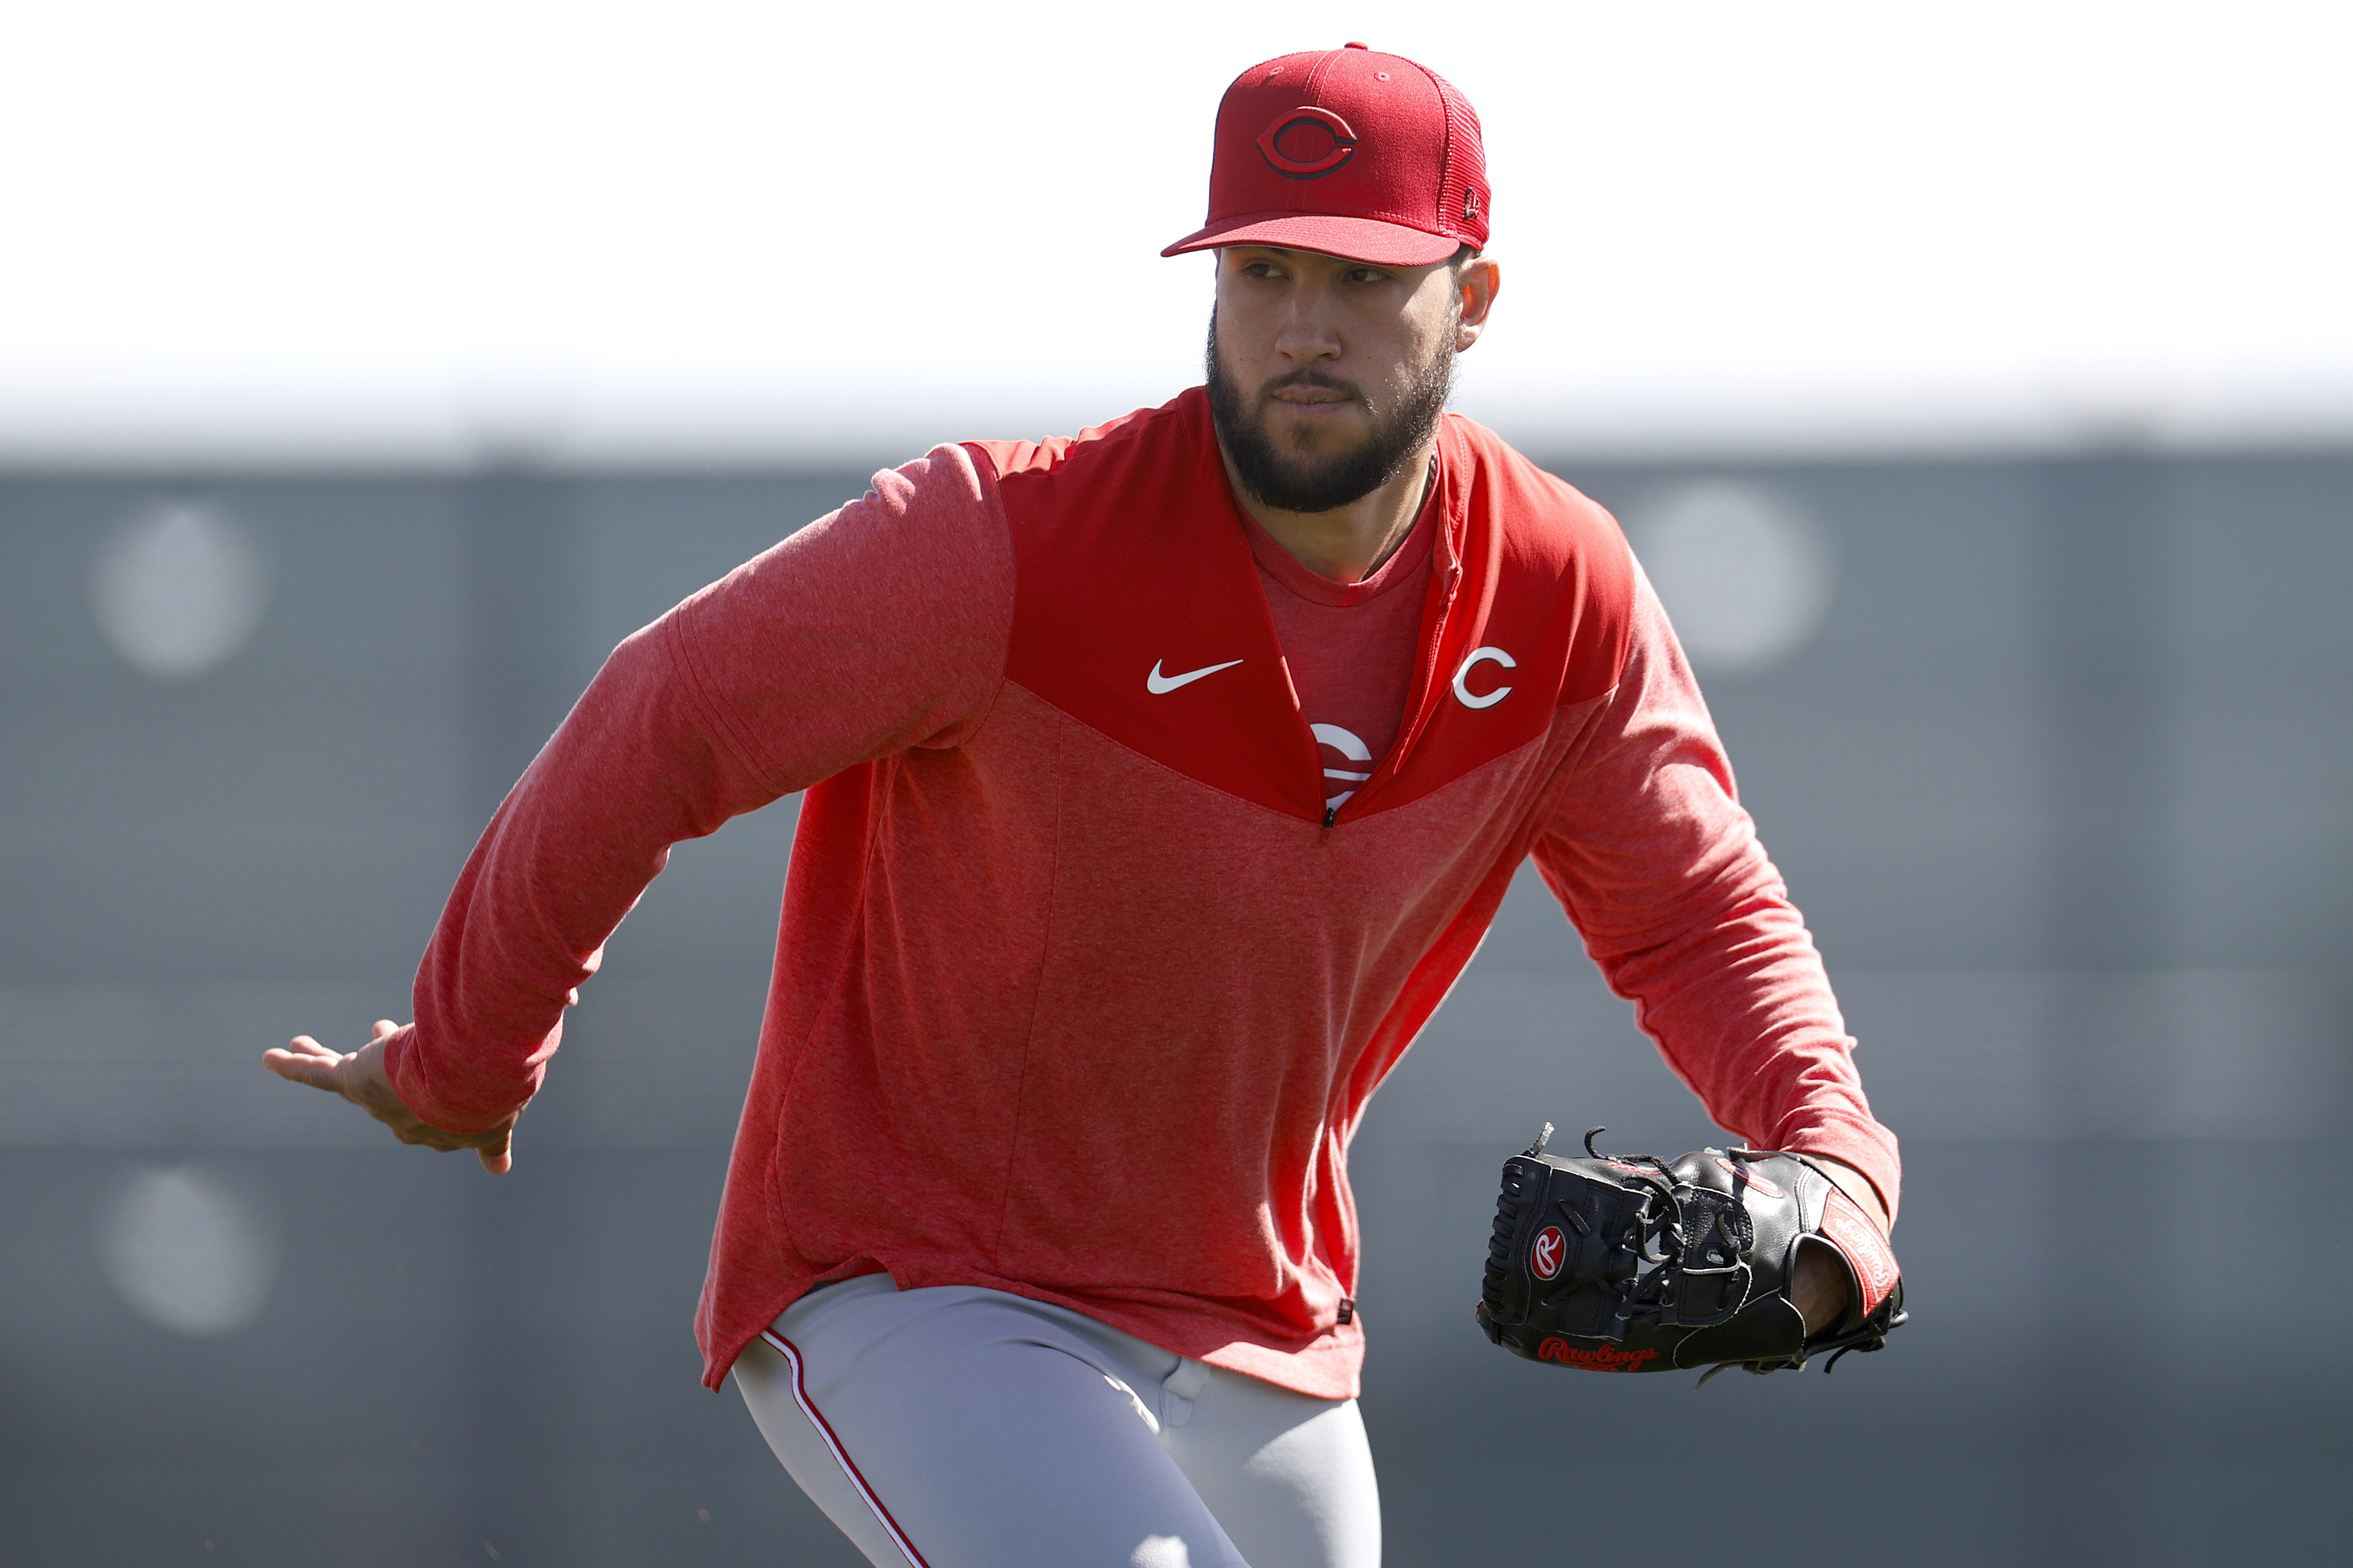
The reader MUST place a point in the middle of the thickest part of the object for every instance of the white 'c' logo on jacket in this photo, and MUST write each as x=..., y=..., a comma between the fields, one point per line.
x=1483, y=655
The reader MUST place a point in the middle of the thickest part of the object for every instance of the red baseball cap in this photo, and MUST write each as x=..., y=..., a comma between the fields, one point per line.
x=1349, y=153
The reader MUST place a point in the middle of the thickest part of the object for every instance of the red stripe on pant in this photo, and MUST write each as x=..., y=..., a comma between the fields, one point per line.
x=792, y=1355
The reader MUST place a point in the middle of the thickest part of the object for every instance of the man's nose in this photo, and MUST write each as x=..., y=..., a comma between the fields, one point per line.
x=1307, y=333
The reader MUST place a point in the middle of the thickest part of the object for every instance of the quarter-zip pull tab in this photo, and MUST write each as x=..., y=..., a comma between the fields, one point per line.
x=1331, y=815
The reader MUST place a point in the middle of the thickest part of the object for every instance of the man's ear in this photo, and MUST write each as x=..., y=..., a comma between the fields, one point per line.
x=1480, y=280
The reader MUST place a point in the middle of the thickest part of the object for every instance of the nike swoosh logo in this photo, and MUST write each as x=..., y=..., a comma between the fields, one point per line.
x=1160, y=685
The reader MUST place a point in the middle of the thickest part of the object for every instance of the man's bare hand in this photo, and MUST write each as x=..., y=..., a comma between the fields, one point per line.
x=360, y=1077
x=1819, y=1285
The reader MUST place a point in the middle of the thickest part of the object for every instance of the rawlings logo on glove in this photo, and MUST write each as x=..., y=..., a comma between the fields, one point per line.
x=1601, y=1360
x=1634, y=1264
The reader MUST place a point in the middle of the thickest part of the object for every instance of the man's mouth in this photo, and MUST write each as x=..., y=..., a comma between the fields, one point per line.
x=1308, y=397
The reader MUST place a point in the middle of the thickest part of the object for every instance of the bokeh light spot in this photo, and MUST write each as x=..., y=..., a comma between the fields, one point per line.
x=178, y=589
x=187, y=1253
x=1161, y=1551
x=1746, y=578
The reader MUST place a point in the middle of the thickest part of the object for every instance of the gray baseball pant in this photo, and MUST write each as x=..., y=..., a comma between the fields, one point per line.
x=962, y=1427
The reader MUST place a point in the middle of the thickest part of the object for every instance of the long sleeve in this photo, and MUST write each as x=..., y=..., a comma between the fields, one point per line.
x=1658, y=867
x=880, y=627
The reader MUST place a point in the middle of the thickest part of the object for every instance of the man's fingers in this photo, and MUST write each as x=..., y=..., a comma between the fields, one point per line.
x=304, y=1061
x=359, y=1078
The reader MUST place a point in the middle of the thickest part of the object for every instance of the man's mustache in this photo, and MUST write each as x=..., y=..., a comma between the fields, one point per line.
x=1318, y=380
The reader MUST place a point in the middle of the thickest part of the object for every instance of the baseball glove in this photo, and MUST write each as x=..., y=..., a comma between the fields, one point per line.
x=1636, y=1265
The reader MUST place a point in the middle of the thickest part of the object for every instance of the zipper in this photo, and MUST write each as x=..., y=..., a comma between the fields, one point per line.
x=1417, y=717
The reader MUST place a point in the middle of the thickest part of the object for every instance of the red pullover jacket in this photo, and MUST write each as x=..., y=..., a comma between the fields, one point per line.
x=1079, y=992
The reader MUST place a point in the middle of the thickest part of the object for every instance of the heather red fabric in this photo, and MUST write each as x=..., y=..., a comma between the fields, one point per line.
x=1081, y=989
x=1348, y=646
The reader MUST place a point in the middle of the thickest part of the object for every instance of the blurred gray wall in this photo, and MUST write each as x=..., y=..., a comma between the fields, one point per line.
x=2060, y=779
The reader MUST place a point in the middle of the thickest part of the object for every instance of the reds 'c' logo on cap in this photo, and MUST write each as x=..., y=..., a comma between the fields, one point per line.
x=1545, y=1256
x=1306, y=143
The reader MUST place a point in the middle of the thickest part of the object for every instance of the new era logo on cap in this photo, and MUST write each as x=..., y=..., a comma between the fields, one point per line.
x=1347, y=152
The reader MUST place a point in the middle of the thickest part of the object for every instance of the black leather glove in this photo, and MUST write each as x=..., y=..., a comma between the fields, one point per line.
x=1634, y=1264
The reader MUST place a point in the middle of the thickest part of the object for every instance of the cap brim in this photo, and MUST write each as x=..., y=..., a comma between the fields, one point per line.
x=1350, y=238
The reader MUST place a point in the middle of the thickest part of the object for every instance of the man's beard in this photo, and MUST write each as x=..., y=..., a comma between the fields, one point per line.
x=1299, y=479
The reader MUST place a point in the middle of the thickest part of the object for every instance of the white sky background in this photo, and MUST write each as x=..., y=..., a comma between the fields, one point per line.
x=250, y=228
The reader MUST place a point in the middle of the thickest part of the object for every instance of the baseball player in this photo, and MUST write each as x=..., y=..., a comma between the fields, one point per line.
x=1157, y=783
